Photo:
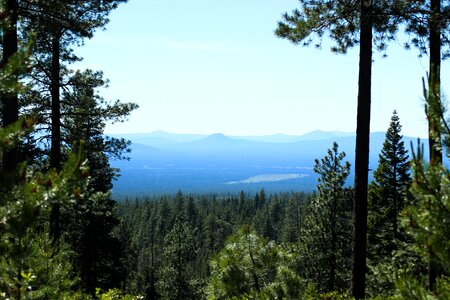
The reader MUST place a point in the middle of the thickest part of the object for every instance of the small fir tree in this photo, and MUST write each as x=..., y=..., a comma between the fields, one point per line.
x=179, y=252
x=325, y=234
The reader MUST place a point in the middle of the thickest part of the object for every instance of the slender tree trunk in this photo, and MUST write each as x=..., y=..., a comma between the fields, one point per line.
x=9, y=100
x=358, y=282
x=333, y=217
x=333, y=246
x=434, y=111
x=395, y=196
x=55, y=150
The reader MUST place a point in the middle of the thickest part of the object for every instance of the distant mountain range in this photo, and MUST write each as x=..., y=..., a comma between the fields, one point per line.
x=162, y=162
x=161, y=137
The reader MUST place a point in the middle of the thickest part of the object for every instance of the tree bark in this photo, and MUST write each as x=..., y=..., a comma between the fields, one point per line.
x=434, y=111
x=55, y=150
x=395, y=196
x=358, y=282
x=9, y=101
x=333, y=246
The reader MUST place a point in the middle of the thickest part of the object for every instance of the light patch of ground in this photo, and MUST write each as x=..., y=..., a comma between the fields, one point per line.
x=268, y=178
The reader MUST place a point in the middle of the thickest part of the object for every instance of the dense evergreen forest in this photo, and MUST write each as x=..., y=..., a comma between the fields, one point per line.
x=63, y=236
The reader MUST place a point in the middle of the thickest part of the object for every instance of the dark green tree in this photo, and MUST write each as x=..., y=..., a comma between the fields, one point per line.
x=179, y=252
x=58, y=26
x=326, y=229
x=9, y=97
x=388, y=192
x=349, y=23
x=292, y=220
x=89, y=223
x=27, y=256
x=84, y=117
x=388, y=246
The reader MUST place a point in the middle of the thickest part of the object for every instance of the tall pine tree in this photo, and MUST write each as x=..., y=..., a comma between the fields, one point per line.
x=88, y=224
x=349, y=23
x=388, y=191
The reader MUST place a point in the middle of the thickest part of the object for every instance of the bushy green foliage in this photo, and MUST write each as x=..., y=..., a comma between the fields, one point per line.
x=410, y=287
x=45, y=273
x=251, y=267
x=428, y=218
x=28, y=262
x=115, y=294
x=427, y=221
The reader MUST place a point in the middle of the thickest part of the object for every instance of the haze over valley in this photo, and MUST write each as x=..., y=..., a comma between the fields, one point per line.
x=162, y=162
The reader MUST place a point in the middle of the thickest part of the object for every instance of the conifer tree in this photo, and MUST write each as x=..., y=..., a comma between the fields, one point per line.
x=388, y=191
x=58, y=26
x=9, y=98
x=179, y=252
x=325, y=232
x=89, y=223
x=29, y=268
x=349, y=23
x=291, y=221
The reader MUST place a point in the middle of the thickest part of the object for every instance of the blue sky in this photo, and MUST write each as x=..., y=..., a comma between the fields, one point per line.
x=209, y=66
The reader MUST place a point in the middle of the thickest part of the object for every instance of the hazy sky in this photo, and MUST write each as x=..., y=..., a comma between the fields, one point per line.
x=209, y=66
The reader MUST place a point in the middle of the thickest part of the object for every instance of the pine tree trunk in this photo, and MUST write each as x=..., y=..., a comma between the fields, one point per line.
x=333, y=246
x=9, y=101
x=434, y=95
x=395, y=196
x=55, y=150
x=358, y=282
x=434, y=110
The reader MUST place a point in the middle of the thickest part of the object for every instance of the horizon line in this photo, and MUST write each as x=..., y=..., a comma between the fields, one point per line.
x=236, y=135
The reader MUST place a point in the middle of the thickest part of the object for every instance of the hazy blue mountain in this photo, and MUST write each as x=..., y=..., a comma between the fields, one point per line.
x=322, y=135
x=158, y=138
x=274, y=138
x=218, y=163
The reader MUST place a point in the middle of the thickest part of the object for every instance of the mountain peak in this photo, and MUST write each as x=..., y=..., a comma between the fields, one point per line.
x=217, y=137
